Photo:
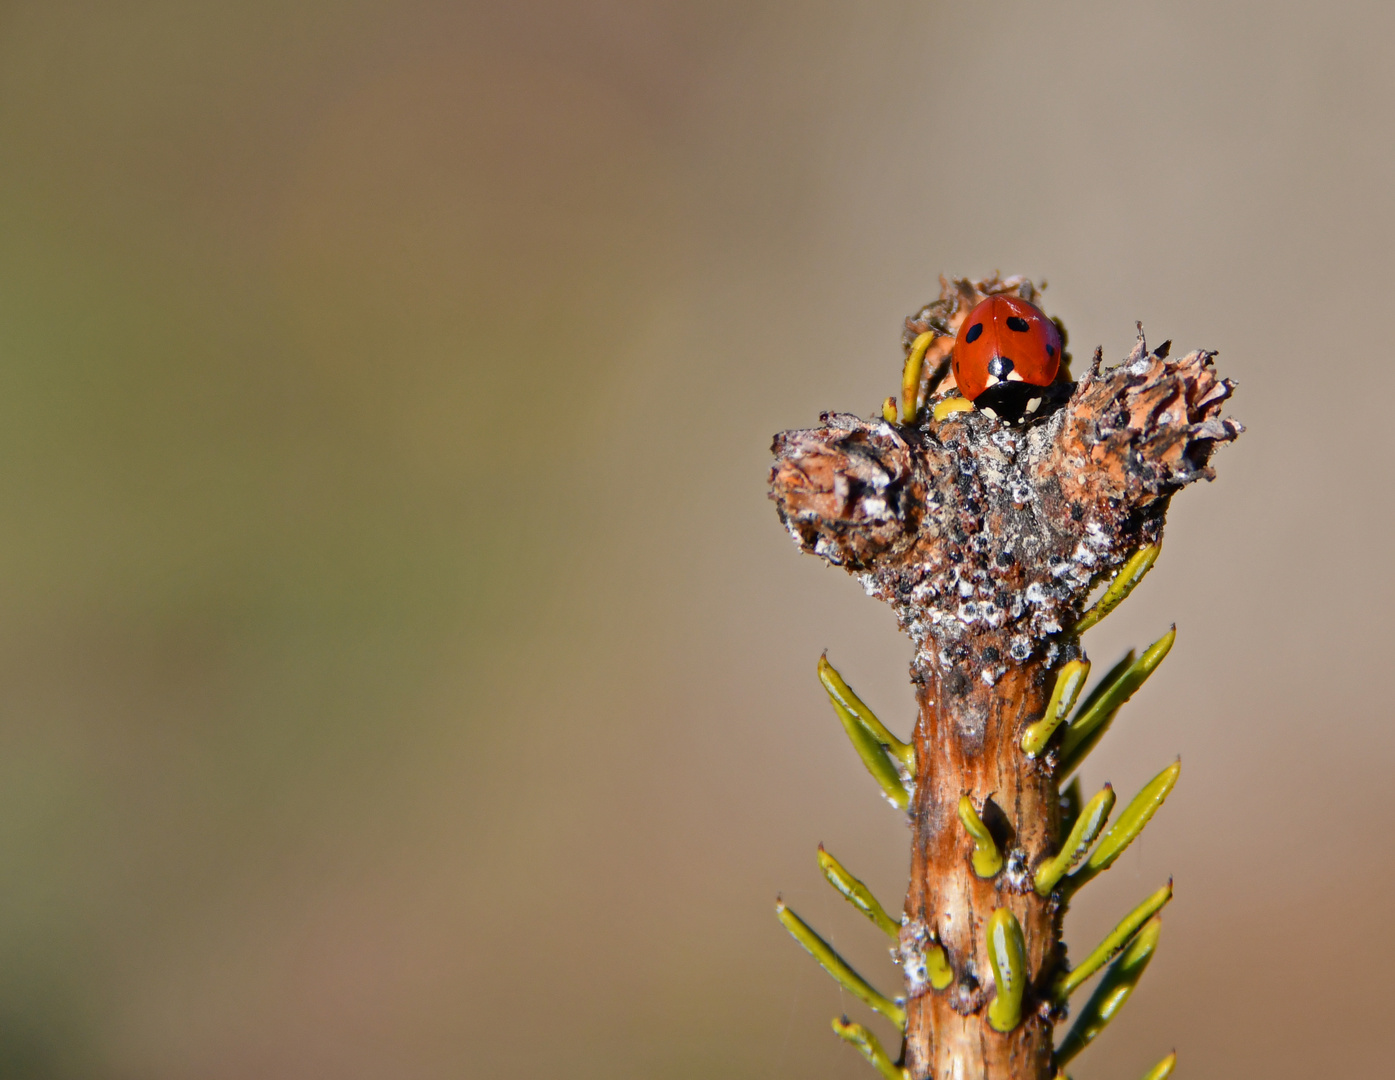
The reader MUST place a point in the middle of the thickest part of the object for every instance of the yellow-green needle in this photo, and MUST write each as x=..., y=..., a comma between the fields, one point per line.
x=937, y=967
x=839, y=968
x=1093, y=720
x=987, y=859
x=843, y=694
x=1131, y=822
x=910, y=377
x=870, y=1048
x=1069, y=681
x=1129, y=575
x=857, y=894
x=1113, y=942
x=1087, y=826
x=1007, y=953
x=1111, y=994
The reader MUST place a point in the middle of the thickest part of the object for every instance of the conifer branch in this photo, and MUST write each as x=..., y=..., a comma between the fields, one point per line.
x=987, y=539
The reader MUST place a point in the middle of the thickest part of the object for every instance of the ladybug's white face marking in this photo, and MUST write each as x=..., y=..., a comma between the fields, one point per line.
x=1015, y=376
x=1033, y=404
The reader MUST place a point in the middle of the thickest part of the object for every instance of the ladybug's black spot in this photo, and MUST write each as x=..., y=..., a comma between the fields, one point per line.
x=999, y=366
x=1050, y=349
x=974, y=332
x=1016, y=322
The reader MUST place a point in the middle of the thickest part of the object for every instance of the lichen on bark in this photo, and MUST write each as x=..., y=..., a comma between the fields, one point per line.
x=986, y=540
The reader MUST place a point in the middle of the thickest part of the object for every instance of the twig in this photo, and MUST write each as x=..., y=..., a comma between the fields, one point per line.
x=986, y=540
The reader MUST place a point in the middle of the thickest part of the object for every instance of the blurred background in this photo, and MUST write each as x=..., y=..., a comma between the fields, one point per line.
x=402, y=672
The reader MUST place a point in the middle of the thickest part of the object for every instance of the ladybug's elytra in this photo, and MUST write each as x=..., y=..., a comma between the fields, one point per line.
x=1006, y=353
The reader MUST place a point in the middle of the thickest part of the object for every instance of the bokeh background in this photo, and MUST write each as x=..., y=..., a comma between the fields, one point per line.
x=402, y=672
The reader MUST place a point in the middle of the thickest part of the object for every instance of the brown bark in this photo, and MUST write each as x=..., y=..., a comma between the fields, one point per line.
x=986, y=539
x=948, y=902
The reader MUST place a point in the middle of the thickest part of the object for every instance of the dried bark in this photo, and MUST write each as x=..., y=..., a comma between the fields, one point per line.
x=985, y=539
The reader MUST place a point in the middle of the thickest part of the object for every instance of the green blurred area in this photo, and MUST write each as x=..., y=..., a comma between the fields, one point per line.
x=297, y=348
x=401, y=671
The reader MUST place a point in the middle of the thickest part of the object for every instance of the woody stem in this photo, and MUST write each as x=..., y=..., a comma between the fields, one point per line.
x=967, y=743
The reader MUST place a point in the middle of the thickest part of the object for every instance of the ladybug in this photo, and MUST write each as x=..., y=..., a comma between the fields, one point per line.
x=1006, y=354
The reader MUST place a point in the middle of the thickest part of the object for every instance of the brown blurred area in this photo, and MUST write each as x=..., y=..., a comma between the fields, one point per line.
x=402, y=672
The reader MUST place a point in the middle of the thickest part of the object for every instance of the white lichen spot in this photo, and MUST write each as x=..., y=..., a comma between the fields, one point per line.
x=1015, y=872
x=874, y=507
x=913, y=945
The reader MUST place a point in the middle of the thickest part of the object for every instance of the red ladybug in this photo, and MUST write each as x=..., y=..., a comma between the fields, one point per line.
x=1006, y=353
